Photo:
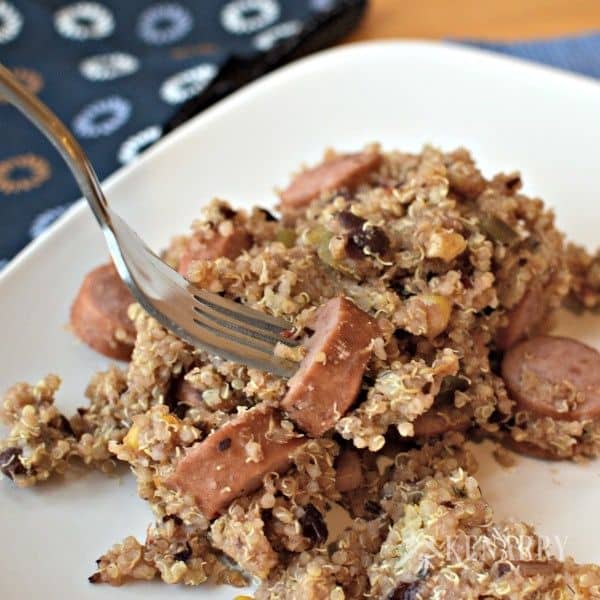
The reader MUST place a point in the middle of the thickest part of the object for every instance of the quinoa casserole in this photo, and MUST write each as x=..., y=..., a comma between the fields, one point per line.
x=422, y=293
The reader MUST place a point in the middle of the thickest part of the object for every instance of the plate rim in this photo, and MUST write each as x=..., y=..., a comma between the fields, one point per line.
x=278, y=77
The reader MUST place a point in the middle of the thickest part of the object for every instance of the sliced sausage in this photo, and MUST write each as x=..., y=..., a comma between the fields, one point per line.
x=346, y=170
x=348, y=471
x=228, y=464
x=99, y=313
x=186, y=393
x=227, y=246
x=438, y=421
x=329, y=377
x=522, y=319
x=555, y=377
x=530, y=449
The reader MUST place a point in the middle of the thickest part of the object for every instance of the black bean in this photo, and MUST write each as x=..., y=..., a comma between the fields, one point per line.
x=62, y=424
x=227, y=212
x=370, y=240
x=513, y=183
x=313, y=525
x=402, y=334
x=10, y=465
x=180, y=410
x=451, y=384
x=269, y=216
x=224, y=444
x=397, y=284
x=405, y=591
x=177, y=520
x=373, y=507
x=349, y=221
x=183, y=555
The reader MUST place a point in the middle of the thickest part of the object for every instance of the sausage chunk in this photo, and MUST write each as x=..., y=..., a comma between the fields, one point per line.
x=99, y=313
x=348, y=471
x=346, y=170
x=329, y=377
x=555, y=377
x=227, y=246
x=233, y=460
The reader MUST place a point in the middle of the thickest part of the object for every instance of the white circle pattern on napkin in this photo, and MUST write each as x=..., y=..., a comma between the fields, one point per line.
x=45, y=219
x=84, y=21
x=265, y=40
x=103, y=117
x=133, y=146
x=11, y=22
x=165, y=23
x=184, y=85
x=105, y=67
x=247, y=16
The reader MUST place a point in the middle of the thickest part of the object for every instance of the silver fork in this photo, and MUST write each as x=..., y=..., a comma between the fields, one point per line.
x=205, y=320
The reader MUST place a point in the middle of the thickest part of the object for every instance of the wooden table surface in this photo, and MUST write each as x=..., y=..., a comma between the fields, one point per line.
x=484, y=19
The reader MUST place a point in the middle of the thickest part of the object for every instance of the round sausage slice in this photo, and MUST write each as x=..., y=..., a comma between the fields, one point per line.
x=227, y=246
x=346, y=170
x=522, y=319
x=555, y=377
x=99, y=313
x=530, y=449
x=438, y=421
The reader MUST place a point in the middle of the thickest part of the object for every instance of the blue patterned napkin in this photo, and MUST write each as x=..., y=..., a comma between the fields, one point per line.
x=119, y=73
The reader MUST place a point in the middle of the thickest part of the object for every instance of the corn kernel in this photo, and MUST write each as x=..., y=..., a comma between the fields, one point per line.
x=446, y=245
x=438, y=310
x=131, y=440
x=171, y=420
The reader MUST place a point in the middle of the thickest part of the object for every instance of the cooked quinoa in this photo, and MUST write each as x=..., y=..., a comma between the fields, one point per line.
x=445, y=263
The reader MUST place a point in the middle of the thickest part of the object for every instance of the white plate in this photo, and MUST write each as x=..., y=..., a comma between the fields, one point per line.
x=404, y=94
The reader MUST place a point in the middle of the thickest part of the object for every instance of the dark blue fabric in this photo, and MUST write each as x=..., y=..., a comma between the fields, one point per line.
x=160, y=54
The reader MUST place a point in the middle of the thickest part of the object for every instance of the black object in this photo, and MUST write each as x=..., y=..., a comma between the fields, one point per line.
x=320, y=32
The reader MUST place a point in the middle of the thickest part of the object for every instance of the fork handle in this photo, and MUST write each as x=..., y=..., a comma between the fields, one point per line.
x=62, y=139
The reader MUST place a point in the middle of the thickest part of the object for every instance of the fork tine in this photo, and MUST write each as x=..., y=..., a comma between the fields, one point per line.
x=250, y=356
x=232, y=335
x=256, y=333
x=227, y=345
x=241, y=313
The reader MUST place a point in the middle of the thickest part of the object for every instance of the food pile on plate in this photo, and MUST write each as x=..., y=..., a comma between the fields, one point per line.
x=422, y=294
